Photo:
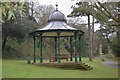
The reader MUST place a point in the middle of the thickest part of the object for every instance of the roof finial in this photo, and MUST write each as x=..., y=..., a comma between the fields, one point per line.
x=56, y=6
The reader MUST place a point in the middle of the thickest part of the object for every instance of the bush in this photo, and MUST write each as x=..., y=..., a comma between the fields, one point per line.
x=109, y=56
x=96, y=53
x=115, y=46
x=9, y=53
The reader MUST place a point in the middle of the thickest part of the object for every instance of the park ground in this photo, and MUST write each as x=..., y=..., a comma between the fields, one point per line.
x=20, y=69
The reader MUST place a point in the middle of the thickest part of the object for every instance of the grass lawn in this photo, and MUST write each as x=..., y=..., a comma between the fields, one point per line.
x=19, y=69
x=0, y=68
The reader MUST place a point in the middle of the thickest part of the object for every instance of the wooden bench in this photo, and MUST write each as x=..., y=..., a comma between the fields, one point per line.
x=62, y=56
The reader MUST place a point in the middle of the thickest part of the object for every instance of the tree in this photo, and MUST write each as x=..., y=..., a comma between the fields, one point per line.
x=84, y=9
x=82, y=49
x=108, y=15
x=105, y=13
x=101, y=34
x=8, y=9
x=109, y=18
x=42, y=13
x=16, y=28
x=115, y=47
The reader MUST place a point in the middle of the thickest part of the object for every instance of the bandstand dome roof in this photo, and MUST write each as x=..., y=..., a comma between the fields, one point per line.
x=56, y=23
x=57, y=16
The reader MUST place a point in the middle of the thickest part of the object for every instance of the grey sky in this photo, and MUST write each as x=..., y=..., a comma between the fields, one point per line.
x=65, y=7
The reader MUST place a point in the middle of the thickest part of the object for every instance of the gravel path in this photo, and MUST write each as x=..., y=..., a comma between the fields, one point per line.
x=110, y=63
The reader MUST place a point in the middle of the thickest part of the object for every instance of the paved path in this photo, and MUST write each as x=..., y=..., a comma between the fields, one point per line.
x=111, y=63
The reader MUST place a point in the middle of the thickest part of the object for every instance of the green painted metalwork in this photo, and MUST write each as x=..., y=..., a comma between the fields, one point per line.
x=75, y=49
x=59, y=47
x=34, y=49
x=80, y=48
x=55, y=48
x=56, y=30
x=71, y=50
x=48, y=31
x=41, y=59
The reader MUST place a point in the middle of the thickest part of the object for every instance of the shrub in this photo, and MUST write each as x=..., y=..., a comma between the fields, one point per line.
x=110, y=56
x=115, y=46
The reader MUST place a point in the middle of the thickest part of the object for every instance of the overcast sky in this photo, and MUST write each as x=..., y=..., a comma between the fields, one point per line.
x=64, y=6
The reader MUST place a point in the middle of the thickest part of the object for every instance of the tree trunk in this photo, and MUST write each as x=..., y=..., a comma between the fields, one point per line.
x=118, y=38
x=118, y=27
x=100, y=50
x=90, y=40
x=32, y=5
x=92, y=35
x=4, y=42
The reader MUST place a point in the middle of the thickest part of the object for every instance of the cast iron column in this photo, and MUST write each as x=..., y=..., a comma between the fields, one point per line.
x=41, y=60
x=55, y=49
x=34, y=60
x=71, y=50
x=75, y=48
x=80, y=49
x=59, y=47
